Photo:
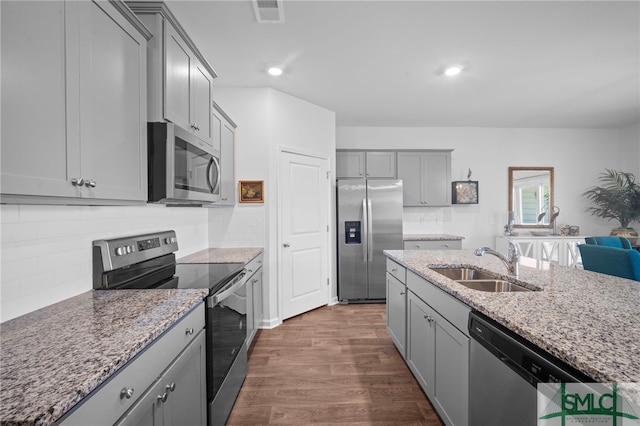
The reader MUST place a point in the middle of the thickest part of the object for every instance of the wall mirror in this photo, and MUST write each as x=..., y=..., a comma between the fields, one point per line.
x=531, y=196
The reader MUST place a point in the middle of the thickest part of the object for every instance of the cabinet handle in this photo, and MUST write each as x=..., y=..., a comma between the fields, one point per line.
x=171, y=387
x=402, y=293
x=189, y=331
x=286, y=245
x=254, y=281
x=77, y=181
x=163, y=397
x=393, y=269
x=90, y=183
x=126, y=393
x=418, y=245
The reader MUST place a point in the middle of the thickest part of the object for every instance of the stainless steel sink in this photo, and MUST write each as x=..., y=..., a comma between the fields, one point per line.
x=495, y=286
x=457, y=274
x=476, y=279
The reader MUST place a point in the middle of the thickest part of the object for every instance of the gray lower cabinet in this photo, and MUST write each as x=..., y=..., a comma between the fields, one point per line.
x=255, y=297
x=426, y=178
x=163, y=385
x=176, y=398
x=432, y=245
x=437, y=350
x=77, y=130
x=396, y=312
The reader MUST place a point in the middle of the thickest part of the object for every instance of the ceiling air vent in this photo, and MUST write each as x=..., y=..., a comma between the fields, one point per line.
x=268, y=11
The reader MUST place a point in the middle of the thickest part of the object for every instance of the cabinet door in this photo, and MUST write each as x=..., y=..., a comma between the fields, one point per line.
x=201, y=104
x=39, y=138
x=258, y=296
x=451, y=371
x=178, y=63
x=227, y=158
x=381, y=164
x=420, y=342
x=112, y=104
x=397, y=312
x=426, y=178
x=436, y=176
x=185, y=385
x=147, y=411
x=350, y=164
x=410, y=171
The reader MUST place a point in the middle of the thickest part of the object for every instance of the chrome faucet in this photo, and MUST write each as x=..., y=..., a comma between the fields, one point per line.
x=510, y=261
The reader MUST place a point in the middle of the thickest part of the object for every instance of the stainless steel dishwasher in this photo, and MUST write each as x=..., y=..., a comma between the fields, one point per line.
x=504, y=371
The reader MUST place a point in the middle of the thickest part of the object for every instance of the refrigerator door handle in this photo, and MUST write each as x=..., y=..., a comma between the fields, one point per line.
x=370, y=229
x=365, y=230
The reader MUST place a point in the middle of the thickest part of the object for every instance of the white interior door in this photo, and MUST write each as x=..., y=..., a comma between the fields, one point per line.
x=304, y=203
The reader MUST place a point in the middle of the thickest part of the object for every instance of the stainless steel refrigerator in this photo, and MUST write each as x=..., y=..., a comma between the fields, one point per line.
x=369, y=221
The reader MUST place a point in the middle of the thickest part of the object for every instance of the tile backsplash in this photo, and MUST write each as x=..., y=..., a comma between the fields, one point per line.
x=45, y=252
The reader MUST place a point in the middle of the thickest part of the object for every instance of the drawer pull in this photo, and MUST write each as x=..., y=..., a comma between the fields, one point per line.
x=163, y=397
x=126, y=393
x=189, y=331
x=393, y=269
x=171, y=387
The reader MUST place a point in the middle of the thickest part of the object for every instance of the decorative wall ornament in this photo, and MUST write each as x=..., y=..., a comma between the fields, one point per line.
x=464, y=191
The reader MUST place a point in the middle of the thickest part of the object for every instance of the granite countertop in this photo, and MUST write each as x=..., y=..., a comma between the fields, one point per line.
x=589, y=320
x=52, y=358
x=430, y=237
x=223, y=255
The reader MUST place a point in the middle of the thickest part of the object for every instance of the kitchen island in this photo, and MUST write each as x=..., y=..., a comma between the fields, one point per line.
x=588, y=320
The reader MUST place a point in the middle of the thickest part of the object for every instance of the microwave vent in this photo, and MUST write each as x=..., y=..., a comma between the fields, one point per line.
x=268, y=11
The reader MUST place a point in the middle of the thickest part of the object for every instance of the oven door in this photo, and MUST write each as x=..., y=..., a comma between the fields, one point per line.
x=226, y=318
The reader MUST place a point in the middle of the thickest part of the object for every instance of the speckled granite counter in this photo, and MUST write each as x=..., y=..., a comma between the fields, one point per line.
x=589, y=320
x=222, y=255
x=430, y=237
x=52, y=358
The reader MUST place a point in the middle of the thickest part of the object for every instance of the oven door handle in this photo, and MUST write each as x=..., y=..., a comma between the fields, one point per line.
x=237, y=282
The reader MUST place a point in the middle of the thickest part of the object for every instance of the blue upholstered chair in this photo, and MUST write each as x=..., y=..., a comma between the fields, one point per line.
x=610, y=241
x=615, y=261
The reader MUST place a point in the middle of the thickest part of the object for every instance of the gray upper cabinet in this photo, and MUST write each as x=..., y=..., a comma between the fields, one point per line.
x=426, y=177
x=366, y=164
x=184, y=98
x=77, y=130
x=224, y=140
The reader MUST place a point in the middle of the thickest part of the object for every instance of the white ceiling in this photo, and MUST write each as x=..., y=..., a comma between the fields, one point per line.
x=573, y=64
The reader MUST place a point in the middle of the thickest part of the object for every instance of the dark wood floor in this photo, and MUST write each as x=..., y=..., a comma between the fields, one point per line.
x=333, y=365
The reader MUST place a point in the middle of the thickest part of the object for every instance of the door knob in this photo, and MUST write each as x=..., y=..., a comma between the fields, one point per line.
x=286, y=245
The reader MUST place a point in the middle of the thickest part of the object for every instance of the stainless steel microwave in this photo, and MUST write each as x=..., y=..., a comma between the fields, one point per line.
x=182, y=168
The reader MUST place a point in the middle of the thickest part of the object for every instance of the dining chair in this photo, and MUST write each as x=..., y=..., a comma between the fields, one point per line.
x=610, y=241
x=614, y=261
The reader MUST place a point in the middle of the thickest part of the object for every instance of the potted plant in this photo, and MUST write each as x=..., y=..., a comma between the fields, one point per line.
x=618, y=198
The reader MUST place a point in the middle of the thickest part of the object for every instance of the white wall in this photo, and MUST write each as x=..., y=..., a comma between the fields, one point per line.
x=45, y=251
x=577, y=155
x=268, y=121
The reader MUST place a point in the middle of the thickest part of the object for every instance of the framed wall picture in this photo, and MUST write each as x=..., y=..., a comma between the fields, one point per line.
x=464, y=192
x=251, y=191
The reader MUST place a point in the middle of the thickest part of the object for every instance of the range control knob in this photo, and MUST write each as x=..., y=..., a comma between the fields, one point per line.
x=170, y=240
x=120, y=251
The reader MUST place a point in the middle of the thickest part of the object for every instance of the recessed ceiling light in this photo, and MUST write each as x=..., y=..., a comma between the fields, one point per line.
x=453, y=70
x=274, y=71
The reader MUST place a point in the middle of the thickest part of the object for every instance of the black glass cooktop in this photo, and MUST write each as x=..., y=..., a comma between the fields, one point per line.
x=205, y=275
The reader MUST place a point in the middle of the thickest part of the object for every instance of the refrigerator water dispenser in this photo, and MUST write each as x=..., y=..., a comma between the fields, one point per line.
x=352, y=232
